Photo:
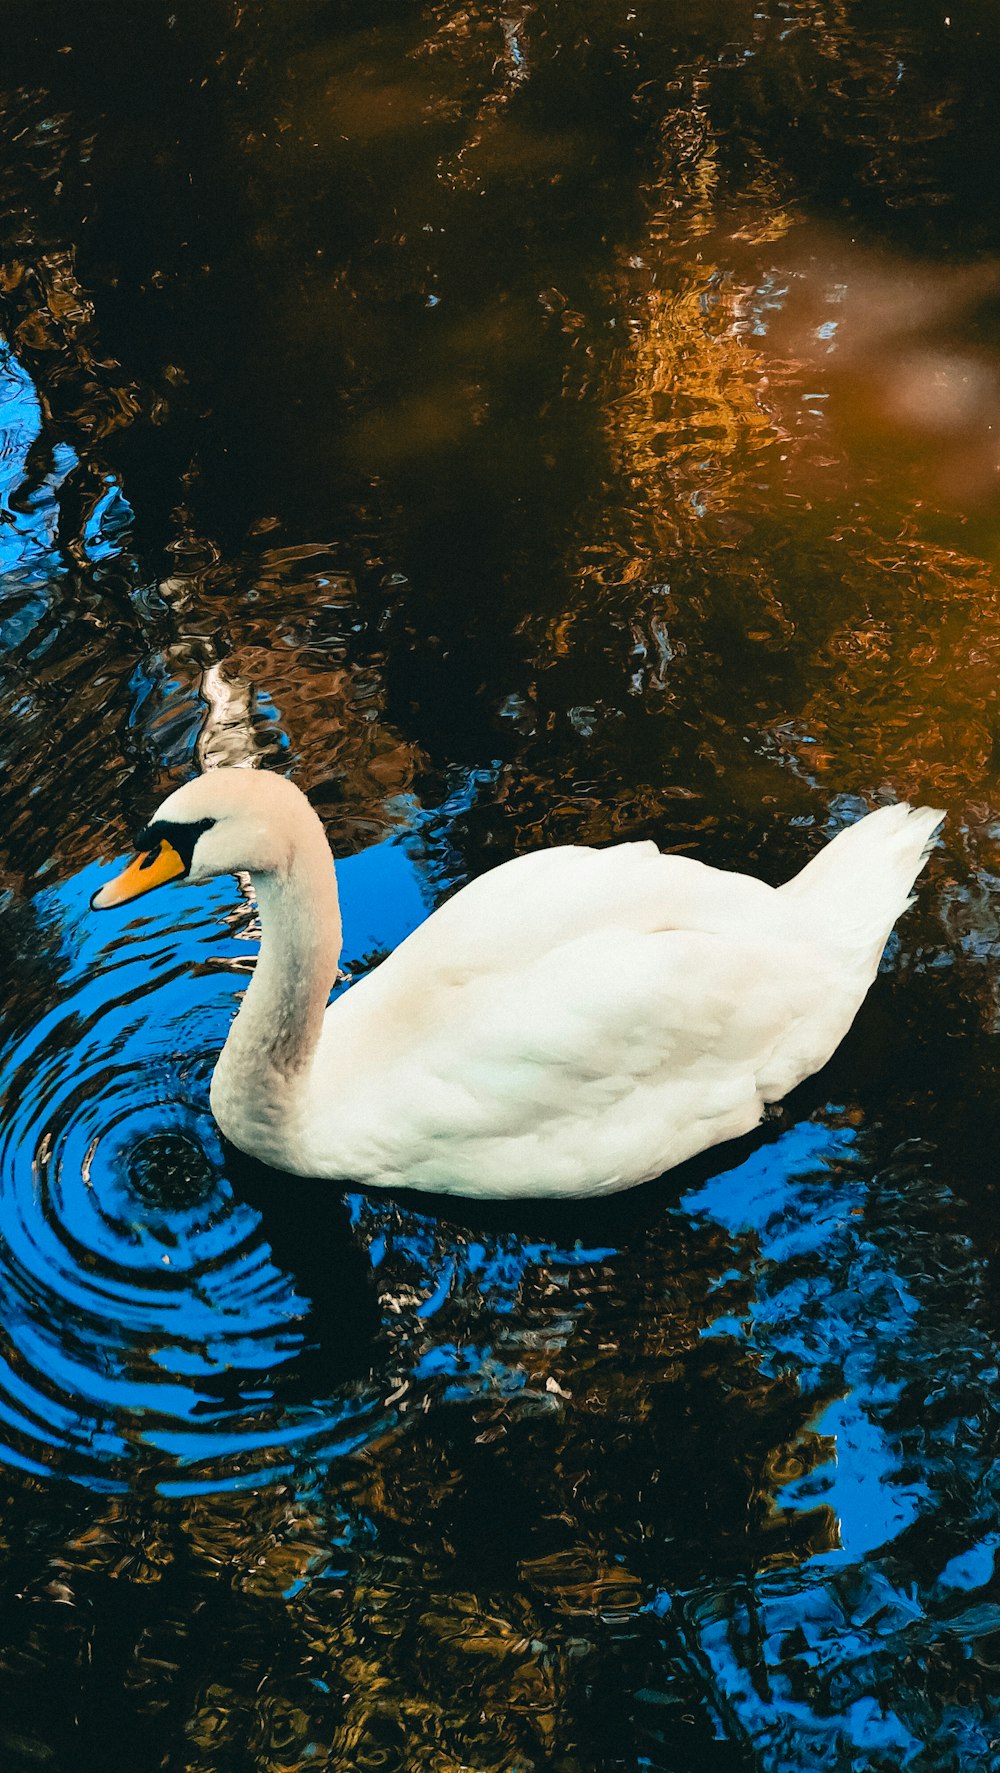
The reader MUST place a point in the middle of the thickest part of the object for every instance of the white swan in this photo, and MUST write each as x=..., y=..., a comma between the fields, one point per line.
x=573, y=1022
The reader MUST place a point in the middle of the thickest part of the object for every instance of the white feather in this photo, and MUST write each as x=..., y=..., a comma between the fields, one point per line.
x=571, y=1023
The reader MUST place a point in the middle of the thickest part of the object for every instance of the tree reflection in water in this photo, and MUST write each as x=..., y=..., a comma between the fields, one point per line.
x=541, y=423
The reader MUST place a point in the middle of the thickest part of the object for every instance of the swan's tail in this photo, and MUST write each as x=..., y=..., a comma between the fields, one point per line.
x=861, y=882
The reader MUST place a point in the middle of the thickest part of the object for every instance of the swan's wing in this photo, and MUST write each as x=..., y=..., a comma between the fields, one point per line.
x=531, y=906
x=610, y=1056
x=605, y=1015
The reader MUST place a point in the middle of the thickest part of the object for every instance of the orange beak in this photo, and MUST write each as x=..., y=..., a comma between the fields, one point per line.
x=150, y=870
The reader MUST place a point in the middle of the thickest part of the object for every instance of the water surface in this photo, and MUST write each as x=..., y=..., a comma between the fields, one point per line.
x=521, y=424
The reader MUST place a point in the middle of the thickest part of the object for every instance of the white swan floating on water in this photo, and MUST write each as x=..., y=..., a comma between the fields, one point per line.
x=574, y=1022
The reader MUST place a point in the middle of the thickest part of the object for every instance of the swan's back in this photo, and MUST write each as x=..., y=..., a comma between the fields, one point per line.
x=521, y=910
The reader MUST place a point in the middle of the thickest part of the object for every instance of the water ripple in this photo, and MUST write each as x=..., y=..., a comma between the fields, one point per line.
x=148, y=1333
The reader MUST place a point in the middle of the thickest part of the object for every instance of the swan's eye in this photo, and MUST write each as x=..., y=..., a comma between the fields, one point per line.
x=179, y=834
x=165, y=851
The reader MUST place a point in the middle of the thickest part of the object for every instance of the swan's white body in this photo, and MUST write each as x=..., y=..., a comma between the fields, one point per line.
x=571, y=1023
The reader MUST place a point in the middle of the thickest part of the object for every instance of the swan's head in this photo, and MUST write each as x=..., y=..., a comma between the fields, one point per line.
x=224, y=822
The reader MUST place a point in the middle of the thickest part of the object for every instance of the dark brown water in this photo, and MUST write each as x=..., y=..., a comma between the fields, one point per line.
x=521, y=423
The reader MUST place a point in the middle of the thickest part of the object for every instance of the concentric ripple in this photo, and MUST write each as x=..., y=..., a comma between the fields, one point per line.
x=147, y=1333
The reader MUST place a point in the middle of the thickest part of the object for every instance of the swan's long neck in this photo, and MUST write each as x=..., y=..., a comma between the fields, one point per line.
x=260, y=1076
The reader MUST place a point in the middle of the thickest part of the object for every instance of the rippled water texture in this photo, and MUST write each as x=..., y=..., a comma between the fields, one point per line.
x=521, y=424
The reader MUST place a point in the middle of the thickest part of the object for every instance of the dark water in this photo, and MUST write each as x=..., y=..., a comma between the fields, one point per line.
x=522, y=423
